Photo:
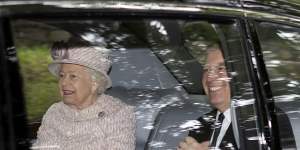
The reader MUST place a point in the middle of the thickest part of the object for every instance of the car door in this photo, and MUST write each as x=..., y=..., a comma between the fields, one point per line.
x=157, y=64
x=158, y=59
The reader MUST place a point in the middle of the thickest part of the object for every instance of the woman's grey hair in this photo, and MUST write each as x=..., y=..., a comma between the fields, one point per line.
x=99, y=79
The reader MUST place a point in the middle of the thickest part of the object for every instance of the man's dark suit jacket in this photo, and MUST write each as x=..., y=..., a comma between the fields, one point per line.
x=206, y=128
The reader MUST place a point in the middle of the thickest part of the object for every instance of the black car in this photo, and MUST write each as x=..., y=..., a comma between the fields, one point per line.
x=157, y=50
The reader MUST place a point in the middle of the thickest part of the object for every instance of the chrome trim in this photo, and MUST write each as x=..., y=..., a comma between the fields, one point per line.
x=133, y=6
x=159, y=7
x=271, y=17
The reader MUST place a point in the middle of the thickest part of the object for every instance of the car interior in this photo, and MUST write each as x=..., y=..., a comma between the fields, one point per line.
x=142, y=75
x=157, y=68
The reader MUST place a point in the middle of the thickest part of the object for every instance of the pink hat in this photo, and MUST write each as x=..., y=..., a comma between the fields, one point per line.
x=96, y=58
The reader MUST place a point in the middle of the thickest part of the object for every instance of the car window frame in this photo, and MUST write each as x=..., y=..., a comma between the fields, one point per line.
x=14, y=120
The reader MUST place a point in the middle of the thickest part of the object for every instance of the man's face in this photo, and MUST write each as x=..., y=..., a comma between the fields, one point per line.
x=215, y=80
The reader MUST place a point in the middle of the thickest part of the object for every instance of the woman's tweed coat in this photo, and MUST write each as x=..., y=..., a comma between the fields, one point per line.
x=108, y=124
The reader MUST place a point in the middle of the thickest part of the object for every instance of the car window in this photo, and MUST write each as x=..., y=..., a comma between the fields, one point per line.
x=140, y=78
x=175, y=121
x=157, y=67
x=281, y=52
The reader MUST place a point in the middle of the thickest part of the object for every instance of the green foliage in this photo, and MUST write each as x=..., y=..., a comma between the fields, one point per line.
x=40, y=87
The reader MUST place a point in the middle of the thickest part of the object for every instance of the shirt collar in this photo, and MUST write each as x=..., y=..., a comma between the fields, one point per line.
x=226, y=113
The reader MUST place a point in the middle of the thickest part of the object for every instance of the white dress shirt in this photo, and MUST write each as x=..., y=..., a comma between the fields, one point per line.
x=225, y=124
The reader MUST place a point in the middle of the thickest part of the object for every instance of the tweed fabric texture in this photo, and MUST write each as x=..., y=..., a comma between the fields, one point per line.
x=109, y=124
x=94, y=58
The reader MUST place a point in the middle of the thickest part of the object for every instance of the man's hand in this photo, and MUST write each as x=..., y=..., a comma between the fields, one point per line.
x=190, y=143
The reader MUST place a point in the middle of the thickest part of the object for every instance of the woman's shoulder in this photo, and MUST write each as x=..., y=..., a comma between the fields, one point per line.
x=53, y=108
x=52, y=112
x=56, y=105
x=114, y=104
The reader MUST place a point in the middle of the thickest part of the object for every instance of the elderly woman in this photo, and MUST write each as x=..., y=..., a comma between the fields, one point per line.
x=86, y=118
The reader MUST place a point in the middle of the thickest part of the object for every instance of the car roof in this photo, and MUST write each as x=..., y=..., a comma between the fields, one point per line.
x=267, y=10
x=52, y=9
x=287, y=5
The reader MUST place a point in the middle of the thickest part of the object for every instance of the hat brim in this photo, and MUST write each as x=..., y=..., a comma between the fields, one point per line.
x=55, y=66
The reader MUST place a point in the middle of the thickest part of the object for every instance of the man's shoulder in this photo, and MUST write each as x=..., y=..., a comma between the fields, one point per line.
x=203, y=131
x=208, y=117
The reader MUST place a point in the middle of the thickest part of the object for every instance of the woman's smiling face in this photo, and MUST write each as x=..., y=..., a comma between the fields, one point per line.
x=77, y=88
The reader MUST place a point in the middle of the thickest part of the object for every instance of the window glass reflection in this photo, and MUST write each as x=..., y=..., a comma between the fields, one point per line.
x=158, y=67
x=281, y=50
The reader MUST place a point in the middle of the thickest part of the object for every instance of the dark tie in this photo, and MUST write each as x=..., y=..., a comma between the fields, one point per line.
x=218, y=126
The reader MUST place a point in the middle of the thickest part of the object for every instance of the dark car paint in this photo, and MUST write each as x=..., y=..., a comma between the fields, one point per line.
x=13, y=114
x=260, y=95
x=13, y=130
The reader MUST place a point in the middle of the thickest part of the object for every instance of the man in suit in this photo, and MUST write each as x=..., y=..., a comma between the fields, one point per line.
x=215, y=128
